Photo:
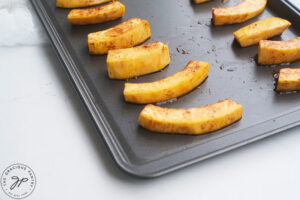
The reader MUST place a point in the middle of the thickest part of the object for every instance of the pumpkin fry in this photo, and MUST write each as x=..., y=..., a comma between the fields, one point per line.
x=194, y=121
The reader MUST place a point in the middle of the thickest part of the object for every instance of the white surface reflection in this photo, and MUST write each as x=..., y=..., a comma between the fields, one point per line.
x=19, y=24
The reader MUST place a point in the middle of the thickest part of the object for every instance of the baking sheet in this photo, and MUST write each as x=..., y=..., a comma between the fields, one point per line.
x=187, y=27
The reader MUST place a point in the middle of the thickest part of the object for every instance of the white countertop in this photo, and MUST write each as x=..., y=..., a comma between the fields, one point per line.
x=43, y=125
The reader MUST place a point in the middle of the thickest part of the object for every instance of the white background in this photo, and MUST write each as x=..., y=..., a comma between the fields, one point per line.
x=43, y=125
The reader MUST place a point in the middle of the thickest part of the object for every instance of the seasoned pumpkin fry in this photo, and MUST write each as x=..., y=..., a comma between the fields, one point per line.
x=194, y=121
x=261, y=30
x=239, y=13
x=277, y=52
x=171, y=87
x=288, y=80
x=200, y=1
x=96, y=15
x=136, y=61
x=127, y=34
x=78, y=3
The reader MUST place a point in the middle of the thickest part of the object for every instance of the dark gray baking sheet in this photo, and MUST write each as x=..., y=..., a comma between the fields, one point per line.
x=233, y=74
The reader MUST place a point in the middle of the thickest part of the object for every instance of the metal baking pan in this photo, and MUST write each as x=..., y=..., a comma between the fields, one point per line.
x=187, y=27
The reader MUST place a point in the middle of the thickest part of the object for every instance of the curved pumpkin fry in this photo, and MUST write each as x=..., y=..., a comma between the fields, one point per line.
x=195, y=121
x=261, y=30
x=200, y=1
x=127, y=34
x=78, y=3
x=171, y=87
x=96, y=15
x=239, y=13
x=277, y=52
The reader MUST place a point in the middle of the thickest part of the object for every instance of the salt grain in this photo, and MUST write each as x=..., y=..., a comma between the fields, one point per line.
x=165, y=102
